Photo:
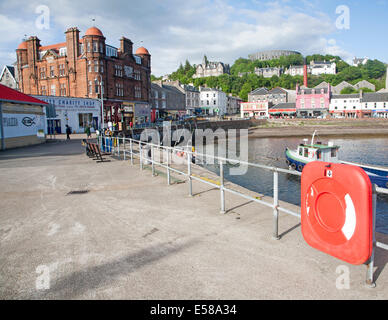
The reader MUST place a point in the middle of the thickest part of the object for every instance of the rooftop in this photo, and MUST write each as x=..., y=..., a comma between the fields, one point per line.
x=10, y=95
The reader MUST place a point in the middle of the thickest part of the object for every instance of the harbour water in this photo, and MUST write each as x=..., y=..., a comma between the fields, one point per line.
x=270, y=151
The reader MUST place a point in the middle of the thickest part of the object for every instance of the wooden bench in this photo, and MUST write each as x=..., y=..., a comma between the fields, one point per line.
x=98, y=155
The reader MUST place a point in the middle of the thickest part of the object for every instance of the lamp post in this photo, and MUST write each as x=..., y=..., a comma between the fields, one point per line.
x=102, y=104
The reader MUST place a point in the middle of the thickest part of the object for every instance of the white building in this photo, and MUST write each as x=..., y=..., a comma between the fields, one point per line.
x=323, y=67
x=77, y=113
x=8, y=77
x=213, y=101
x=346, y=105
x=375, y=105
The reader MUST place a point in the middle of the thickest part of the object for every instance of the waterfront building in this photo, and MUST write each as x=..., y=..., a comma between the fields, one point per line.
x=81, y=67
x=271, y=54
x=213, y=101
x=22, y=119
x=211, y=68
x=77, y=113
x=284, y=110
x=273, y=96
x=346, y=105
x=233, y=104
x=257, y=110
x=166, y=100
x=374, y=104
x=8, y=77
x=312, y=102
x=191, y=93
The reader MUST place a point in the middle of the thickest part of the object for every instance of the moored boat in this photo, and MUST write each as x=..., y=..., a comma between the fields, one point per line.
x=316, y=151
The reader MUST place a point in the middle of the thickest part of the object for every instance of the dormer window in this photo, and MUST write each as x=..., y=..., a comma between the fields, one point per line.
x=63, y=51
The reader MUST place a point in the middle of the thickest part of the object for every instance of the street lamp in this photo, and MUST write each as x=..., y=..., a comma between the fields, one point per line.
x=102, y=104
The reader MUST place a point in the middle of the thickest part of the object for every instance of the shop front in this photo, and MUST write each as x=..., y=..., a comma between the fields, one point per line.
x=77, y=113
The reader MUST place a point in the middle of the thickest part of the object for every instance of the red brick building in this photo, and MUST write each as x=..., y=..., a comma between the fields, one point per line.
x=75, y=68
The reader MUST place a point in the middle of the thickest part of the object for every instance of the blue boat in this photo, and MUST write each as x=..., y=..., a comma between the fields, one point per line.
x=308, y=152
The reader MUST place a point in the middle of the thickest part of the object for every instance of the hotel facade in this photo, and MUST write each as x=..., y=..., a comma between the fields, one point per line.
x=85, y=67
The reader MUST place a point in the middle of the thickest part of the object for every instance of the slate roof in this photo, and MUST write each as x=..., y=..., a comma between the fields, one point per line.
x=259, y=91
x=375, y=97
x=288, y=105
x=345, y=96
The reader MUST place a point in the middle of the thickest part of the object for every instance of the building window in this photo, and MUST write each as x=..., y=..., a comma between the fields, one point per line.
x=81, y=48
x=89, y=46
x=90, y=87
x=95, y=65
x=62, y=52
x=52, y=90
x=95, y=46
x=101, y=47
x=61, y=70
x=90, y=66
x=52, y=71
x=43, y=91
x=85, y=119
x=118, y=70
x=96, y=86
x=138, y=92
x=43, y=73
x=137, y=75
x=119, y=90
x=101, y=68
x=62, y=89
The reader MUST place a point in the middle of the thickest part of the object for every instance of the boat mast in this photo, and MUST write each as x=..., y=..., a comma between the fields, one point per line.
x=312, y=139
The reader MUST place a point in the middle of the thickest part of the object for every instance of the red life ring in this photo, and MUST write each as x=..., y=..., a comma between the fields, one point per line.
x=336, y=215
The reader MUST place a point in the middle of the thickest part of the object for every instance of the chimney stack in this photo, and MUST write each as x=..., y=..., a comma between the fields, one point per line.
x=305, y=73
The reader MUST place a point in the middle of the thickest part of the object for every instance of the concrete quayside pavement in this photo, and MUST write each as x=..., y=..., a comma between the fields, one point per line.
x=128, y=235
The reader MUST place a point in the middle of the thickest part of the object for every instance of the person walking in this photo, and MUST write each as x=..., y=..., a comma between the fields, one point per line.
x=87, y=131
x=68, y=132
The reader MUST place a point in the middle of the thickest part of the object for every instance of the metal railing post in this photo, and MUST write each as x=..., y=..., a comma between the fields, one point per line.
x=222, y=191
x=118, y=147
x=124, y=149
x=141, y=156
x=168, y=167
x=152, y=161
x=276, y=205
x=369, y=273
x=189, y=174
x=131, y=150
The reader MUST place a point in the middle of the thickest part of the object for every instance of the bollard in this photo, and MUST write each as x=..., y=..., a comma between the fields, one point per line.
x=189, y=174
x=369, y=273
x=222, y=191
x=275, y=205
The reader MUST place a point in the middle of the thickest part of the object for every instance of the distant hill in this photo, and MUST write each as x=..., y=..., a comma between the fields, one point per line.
x=373, y=71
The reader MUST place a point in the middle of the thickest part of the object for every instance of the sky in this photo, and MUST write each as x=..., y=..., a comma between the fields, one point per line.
x=224, y=30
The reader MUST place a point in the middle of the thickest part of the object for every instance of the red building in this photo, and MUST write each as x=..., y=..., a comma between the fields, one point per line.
x=76, y=67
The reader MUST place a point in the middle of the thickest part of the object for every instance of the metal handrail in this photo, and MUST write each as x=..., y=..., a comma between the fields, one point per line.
x=274, y=205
